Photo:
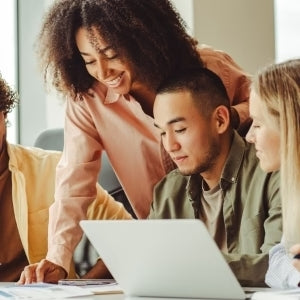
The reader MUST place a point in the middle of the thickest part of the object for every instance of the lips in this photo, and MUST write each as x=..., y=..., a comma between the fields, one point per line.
x=178, y=159
x=114, y=82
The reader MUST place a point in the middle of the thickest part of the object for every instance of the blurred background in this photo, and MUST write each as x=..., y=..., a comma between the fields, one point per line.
x=254, y=33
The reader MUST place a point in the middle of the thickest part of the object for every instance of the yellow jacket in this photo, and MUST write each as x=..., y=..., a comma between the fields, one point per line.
x=33, y=182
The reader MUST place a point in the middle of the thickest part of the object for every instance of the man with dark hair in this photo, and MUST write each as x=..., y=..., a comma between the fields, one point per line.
x=27, y=178
x=218, y=179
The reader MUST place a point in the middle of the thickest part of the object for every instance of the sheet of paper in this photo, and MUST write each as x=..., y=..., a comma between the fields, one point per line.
x=291, y=294
x=42, y=291
x=104, y=289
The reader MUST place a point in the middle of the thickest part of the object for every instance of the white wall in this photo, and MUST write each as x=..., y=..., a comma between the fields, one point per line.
x=32, y=106
x=242, y=28
x=8, y=54
x=37, y=110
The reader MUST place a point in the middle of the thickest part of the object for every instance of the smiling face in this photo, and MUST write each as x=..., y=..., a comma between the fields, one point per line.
x=187, y=136
x=104, y=64
x=264, y=134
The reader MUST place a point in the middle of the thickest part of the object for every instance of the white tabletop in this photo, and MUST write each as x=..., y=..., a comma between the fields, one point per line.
x=122, y=296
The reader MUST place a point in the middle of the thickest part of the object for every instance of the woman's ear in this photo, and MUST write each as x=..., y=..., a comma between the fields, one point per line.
x=222, y=118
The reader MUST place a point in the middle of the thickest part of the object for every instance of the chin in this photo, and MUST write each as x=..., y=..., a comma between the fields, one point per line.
x=121, y=90
x=267, y=167
x=186, y=172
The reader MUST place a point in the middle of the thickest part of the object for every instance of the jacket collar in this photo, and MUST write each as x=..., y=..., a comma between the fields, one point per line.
x=230, y=171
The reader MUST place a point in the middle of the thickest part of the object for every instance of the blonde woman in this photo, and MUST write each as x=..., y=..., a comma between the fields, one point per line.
x=275, y=109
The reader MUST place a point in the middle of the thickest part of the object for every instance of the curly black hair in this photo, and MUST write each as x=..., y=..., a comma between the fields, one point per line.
x=149, y=34
x=8, y=97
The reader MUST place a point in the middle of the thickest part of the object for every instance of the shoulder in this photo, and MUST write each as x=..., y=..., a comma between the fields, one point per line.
x=171, y=198
x=171, y=188
x=21, y=157
x=173, y=180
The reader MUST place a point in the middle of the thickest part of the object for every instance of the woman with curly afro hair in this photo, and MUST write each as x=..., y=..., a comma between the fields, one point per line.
x=108, y=57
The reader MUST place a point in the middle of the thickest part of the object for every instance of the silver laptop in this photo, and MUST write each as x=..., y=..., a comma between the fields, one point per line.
x=163, y=258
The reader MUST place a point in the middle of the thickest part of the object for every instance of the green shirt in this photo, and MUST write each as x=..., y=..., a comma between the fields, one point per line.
x=251, y=209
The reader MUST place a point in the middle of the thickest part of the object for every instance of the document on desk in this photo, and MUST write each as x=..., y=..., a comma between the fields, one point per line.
x=96, y=286
x=104, y=289
x=42, y=291
x=290, y=294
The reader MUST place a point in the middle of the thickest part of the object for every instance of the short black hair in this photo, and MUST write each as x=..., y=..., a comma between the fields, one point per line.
x=206, y=88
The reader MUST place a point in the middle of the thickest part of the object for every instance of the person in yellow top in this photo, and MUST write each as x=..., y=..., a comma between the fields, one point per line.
x=27, y=179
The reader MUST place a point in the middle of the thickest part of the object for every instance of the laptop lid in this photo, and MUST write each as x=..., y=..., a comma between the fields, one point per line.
x=163, y=258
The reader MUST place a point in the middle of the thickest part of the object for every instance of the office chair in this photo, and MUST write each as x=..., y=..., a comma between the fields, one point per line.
x=85, y=255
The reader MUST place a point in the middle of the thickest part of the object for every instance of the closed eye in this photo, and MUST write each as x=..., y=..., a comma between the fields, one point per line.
x=89, y=62
x=112, y=56
x=180, y=130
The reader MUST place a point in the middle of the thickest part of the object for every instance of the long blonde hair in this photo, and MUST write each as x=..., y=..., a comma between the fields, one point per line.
x=278, y=86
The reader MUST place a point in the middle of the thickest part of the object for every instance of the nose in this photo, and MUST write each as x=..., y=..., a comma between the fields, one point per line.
x=102, y=69
x=170, y=144
x=250, y=135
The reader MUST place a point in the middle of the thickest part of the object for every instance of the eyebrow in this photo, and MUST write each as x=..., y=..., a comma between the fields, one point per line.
x=175, y=120
x=100, y=51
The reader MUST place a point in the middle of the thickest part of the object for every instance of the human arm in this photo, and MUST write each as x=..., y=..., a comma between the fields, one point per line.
x=44, y=271
x=75, y=188
x=99, y=270
x=281, y=272
x=295, y=250
x=103, y=207
x=235, y=80
x=250, y=262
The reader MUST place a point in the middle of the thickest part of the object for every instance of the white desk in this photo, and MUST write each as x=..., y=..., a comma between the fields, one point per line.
x=122, y=296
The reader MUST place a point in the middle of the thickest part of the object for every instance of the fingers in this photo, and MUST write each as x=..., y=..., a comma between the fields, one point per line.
x=296, y=263
x=50, y=272
x=44, y=271
x=22, y=279
x=295, y=250
x=28, y=275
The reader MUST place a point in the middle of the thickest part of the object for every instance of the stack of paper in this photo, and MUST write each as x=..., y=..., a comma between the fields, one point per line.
x=42, y=291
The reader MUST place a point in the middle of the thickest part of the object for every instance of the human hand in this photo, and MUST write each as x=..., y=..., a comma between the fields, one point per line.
x=295, y=250
x=44, y=271
x=99, y=270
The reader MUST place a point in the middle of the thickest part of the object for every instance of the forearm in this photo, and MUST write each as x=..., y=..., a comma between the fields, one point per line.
x=98, y=271
x=105, y=207
x=64, y=232
x=240, y=119
x=281, y=273
x=250, y=270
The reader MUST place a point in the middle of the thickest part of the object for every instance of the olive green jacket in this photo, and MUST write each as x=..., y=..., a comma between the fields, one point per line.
x=251, y=209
